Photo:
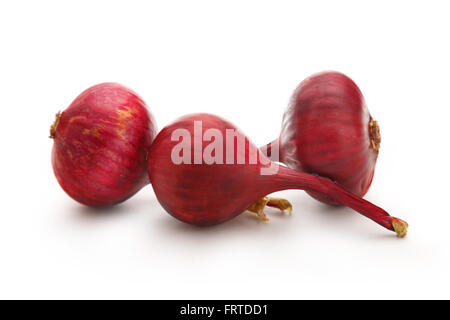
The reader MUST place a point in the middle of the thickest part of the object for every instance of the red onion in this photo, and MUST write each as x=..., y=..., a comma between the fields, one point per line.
x=328, y=130
x=100, y=146
x=202, y=176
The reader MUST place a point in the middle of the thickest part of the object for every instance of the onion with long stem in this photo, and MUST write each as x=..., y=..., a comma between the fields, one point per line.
x=205, y=171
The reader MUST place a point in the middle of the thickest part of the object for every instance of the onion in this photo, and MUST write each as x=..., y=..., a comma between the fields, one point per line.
x=204, y=171
x=101, y=141
x=328, y=130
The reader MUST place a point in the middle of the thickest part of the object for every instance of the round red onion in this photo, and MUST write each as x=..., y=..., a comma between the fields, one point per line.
x=100, y=146
x=328, y=130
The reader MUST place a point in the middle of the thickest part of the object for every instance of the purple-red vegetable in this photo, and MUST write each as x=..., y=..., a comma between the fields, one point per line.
x=101, y=143
x=328, y=130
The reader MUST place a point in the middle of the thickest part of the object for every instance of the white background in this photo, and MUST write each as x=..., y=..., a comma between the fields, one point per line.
x=240, y=60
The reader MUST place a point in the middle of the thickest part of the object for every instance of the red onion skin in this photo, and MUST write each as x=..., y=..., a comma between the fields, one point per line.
x=101, y=141
x=201, y=194
x=208, y=194
x=328, y=130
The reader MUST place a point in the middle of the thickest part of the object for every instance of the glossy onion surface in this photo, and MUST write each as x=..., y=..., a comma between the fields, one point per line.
x=202, y=194
x=327, y=130
x=101, y=142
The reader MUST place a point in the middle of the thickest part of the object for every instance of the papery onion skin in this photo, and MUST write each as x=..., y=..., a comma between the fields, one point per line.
x=207, y=194
x=327, y=130
x=101, y=142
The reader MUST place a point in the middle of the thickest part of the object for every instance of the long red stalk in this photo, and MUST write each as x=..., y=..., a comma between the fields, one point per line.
x=291, y=179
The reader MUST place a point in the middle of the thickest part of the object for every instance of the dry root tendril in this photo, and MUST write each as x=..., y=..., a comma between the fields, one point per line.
x=280, y=203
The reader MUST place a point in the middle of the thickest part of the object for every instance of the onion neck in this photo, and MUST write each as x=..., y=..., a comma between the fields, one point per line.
x=374, y=133
x=54, y=126
x=292, y=179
